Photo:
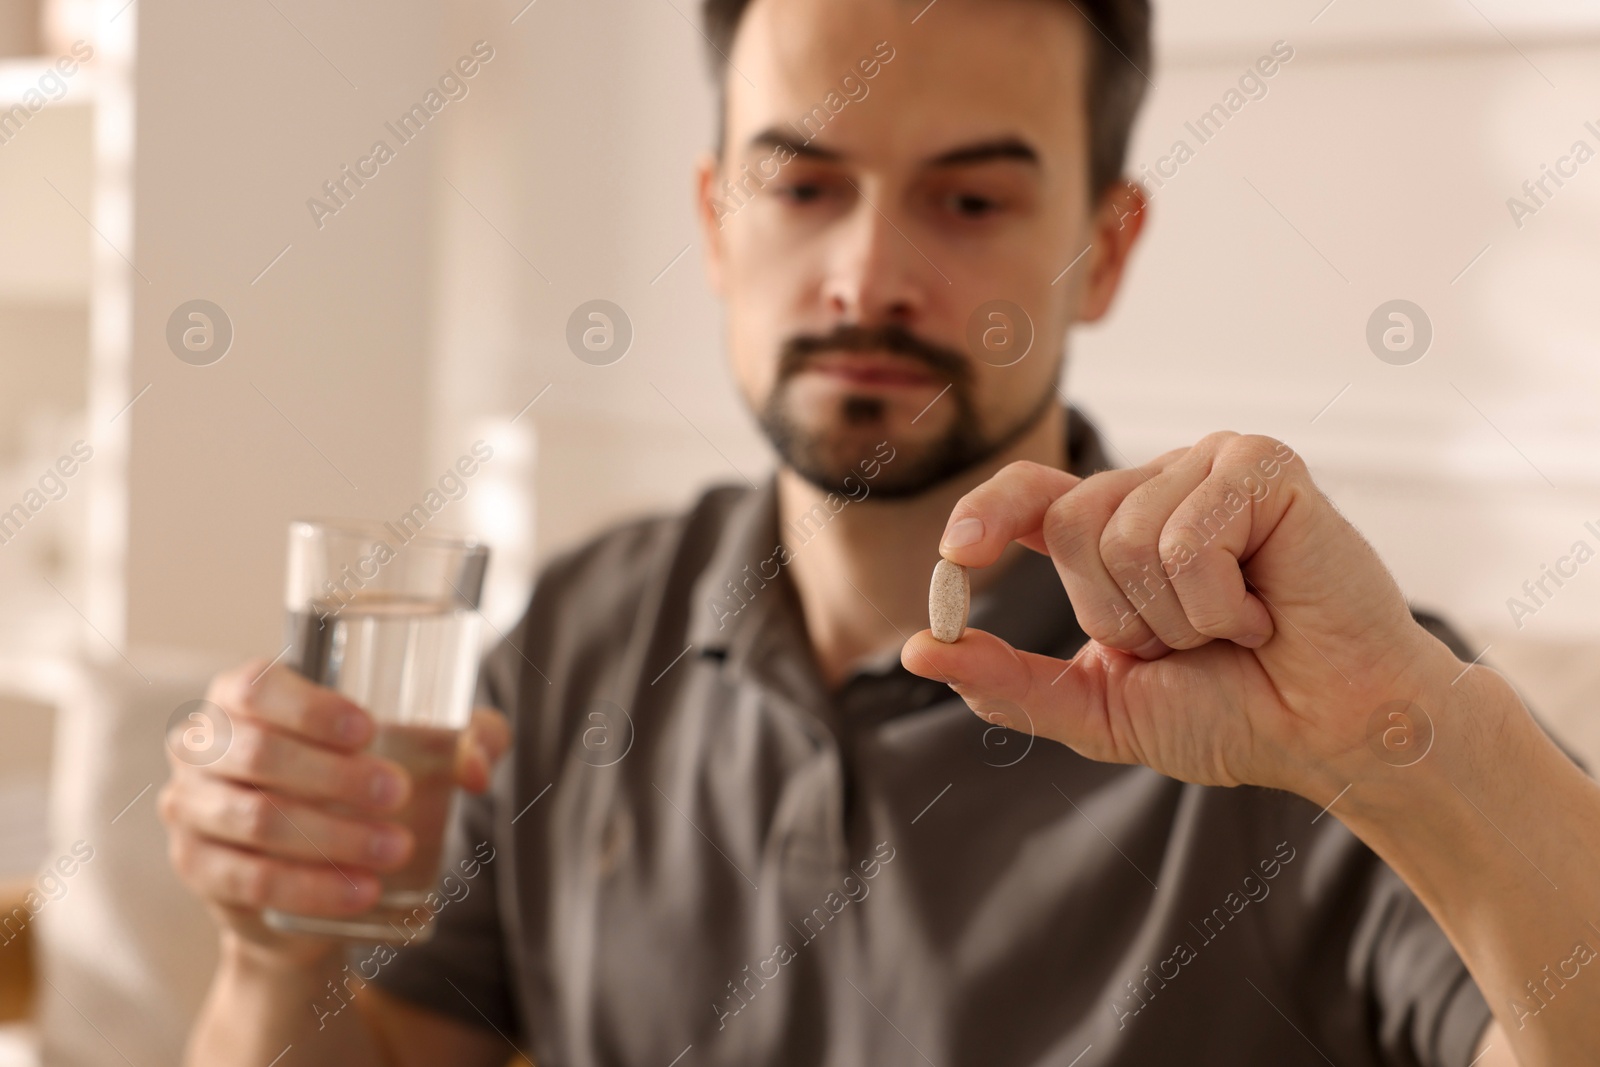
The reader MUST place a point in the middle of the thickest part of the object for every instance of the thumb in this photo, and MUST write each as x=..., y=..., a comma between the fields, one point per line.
x=1063, y=700
x=482, y=743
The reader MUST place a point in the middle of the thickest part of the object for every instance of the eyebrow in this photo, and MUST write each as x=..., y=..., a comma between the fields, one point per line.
x=985, y=151
x=1000, y=148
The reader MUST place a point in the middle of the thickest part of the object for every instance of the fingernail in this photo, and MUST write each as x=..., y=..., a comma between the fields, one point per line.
x=387, y=846
x=1151, y=648
x=962, y=532
x=387, y=787
x=1253, y=641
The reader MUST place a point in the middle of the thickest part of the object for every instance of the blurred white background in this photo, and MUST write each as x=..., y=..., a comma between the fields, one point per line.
x=372, y=350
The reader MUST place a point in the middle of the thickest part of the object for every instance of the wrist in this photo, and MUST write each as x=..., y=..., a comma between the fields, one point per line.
x=279, y=958
x=1388, y=732
x=1458, y=745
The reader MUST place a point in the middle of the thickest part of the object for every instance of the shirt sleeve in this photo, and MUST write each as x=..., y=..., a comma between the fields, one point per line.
x=463, y=970
x=1365, y=971
x=1373, y=975
x=1428, y=1010
x=1427, y=1001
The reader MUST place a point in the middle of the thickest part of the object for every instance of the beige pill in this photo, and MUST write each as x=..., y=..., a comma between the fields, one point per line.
x=948, y=599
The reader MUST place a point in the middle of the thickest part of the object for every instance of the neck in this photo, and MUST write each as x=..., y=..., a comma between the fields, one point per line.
x=863, y=578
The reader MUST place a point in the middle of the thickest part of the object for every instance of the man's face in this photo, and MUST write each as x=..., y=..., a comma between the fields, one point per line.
x=902, y=178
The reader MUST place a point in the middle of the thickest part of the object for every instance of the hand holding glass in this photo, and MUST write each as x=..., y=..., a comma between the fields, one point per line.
x=393, y=625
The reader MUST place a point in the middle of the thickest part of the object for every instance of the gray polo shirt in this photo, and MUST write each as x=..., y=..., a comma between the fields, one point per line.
x=695, y=850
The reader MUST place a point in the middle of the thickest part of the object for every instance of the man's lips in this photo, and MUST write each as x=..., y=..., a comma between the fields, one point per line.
x=872, y=370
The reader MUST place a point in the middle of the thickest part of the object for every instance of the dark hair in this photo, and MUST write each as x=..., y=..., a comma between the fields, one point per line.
x=1119, y=58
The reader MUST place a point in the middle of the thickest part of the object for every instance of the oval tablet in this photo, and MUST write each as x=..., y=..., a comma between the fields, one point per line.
x=948, y=599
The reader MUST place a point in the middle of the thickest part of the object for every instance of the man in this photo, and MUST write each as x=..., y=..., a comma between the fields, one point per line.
x=733, y=828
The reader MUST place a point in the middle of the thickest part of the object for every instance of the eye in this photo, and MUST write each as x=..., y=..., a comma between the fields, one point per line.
x=801, y=192
x=971, y=205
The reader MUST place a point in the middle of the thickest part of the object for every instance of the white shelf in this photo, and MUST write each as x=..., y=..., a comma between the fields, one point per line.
x=46, y=182
x=19, y=74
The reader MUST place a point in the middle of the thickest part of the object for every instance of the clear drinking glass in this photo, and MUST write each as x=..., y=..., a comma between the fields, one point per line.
x=391, y=621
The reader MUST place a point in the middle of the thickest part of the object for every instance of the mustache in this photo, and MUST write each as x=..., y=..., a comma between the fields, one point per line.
x=892, y=337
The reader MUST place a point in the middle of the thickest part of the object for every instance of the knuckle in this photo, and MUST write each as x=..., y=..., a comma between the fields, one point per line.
x=169, y=803
x=253, y=667
x=345, y=842
x=302, y=717
x=253, y=882
x=231, y=688
x=489, y=731
x=1022, y=469
x=253, y=817
x=221, y=685
x=1069, y=528
x=1179, y=548
x=1127, y=542
x=1186, y=637
x=356, y=779
x=1211, y=517
x=251, y=751
x=184, y=856
x=1018, y=474
x=1211, y=622
x=180, y=855
x=1263, y=452
x=1218, y=441
x=1113, y=624
x=1257, y=444
x=314, y=718
x=1169, y=457
x=346, y=778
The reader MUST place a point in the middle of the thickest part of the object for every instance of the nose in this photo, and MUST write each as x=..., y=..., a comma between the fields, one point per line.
x=875, y=275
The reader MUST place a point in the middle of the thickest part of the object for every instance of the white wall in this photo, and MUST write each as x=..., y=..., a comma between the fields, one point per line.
x=320, y=406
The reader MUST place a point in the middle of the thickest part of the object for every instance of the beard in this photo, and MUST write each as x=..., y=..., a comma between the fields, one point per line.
x=827, y=461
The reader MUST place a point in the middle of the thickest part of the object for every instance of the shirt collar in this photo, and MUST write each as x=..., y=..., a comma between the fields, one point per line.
x=745, y=594
x=744, y=578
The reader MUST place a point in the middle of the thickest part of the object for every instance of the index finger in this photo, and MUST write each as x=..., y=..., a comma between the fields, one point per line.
x=281, y=697
x=1008, y=507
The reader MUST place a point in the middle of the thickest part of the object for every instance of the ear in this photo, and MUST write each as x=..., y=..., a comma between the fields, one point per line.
x=1117, y=223
x=707, y=171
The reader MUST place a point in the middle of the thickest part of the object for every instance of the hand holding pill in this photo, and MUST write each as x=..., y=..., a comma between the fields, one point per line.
x=1180, y=573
